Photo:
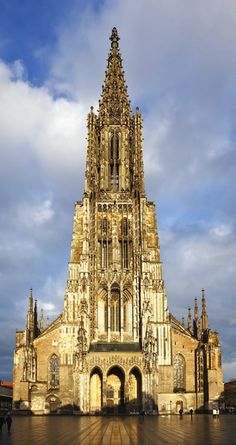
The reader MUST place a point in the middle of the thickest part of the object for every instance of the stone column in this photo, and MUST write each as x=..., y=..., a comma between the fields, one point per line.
x=104, y=394
x=121, y=313
x=109, y=314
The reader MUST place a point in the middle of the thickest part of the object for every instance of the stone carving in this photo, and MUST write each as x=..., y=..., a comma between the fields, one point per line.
x=125, y=362
x=81, y=349
x=150, y=349
x=29, y=363
x=147, y=307
x=72, y=285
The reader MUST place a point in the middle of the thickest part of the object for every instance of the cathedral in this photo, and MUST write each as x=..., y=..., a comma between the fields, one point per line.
x=116, y=348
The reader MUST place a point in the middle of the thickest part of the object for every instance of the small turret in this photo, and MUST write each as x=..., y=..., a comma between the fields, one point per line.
x=196, y=321
x=30, y=318
x=204, y=316
x=41, y=321
x=190, y=323
x=36, y=330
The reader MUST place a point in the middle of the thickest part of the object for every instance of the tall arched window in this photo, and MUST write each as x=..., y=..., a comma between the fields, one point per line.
x=102, y=311
x=127, y=310
x=105, y=244
x=179, y=373
x=54, y=371
x=115, y=310
x=114, y=161
x=124, y=243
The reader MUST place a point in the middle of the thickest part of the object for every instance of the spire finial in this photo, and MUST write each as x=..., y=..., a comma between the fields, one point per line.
x=114, y=36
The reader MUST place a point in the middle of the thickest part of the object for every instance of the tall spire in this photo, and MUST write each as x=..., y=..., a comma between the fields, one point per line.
x=30, y=300
x=204, y=312
x=196, y=321
x=190, y=324
x=41, y=321
x=114, y=106
x=35, y=319
x=30, y=317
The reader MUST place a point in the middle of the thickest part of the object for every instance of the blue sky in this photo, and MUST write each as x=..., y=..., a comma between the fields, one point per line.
x=180, y=63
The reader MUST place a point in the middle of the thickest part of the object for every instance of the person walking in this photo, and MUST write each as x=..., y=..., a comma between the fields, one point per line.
x=9, y=422
x=2, y=421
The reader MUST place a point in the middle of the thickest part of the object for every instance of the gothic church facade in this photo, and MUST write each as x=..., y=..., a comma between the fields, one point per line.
x=116, y=348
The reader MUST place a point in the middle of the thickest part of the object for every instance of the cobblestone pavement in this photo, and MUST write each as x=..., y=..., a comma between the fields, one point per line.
x=169, y=430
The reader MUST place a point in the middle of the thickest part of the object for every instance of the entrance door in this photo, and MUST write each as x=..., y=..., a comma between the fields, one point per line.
x=54, y=404
x=115, y=391
x=179, y=405
x=95, y=392
x=135, y=390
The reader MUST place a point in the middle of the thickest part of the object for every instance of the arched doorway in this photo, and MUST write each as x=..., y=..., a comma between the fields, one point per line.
x=115, y=391
x=53, y=403
x=96, y=391
x=135, y=390
x=179, y=406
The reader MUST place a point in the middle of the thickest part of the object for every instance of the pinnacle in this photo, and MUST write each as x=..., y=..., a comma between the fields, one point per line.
x=114, y=35
x=114, y=106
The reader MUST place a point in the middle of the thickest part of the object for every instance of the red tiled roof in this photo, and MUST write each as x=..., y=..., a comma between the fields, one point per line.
x=7, y=384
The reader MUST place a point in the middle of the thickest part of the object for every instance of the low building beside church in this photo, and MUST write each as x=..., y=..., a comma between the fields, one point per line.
x=116, y=348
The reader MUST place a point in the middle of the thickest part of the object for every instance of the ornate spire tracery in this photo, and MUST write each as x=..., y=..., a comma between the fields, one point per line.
x=114, y=106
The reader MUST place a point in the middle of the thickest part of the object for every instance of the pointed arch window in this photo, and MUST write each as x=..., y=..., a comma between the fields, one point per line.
x=127, y=311
x=104, y=227
x=105, y=245
x=114, y=154
x=54, y=371
x=102, y=311
x=115, y=310
x=179, y=373
x=124, y=243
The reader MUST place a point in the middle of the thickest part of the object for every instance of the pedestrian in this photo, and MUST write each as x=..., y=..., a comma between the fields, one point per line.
x=9, y=422
x=2, y=421
x=191, y=412
x=142, y=414
x=181, y=413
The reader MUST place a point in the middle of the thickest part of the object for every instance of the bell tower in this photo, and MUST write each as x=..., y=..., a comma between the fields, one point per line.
x=115, y=291
x=115, y=257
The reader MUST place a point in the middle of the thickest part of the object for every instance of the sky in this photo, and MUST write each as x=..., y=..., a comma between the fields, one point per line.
x=180, y=63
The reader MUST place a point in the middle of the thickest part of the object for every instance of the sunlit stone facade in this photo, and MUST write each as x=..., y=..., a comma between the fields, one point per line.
x=115, y=348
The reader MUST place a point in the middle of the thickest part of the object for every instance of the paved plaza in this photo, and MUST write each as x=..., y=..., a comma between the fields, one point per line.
x=168, y=430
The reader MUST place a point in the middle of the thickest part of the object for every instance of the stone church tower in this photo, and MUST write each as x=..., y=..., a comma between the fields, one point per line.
x=115, y=348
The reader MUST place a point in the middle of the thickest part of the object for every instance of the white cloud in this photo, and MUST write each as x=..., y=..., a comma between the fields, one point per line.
x=222, y=230
x=35, y=125
x=18, y=71
x=38, y=214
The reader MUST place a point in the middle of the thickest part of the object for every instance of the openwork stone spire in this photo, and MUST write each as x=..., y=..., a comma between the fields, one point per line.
x=114, y=106
x=204, y=312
